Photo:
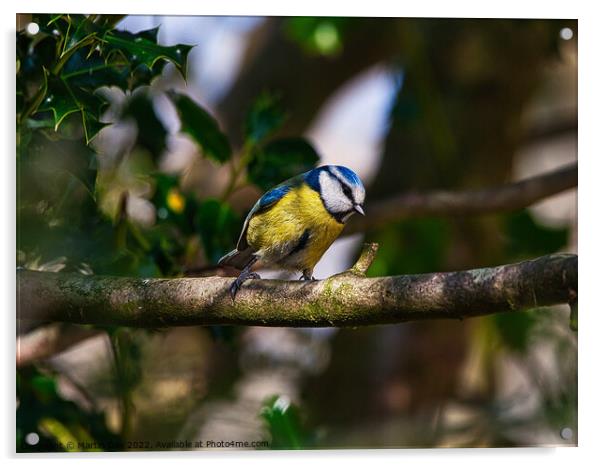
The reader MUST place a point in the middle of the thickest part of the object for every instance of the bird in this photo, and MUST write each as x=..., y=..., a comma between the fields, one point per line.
x=293, y=224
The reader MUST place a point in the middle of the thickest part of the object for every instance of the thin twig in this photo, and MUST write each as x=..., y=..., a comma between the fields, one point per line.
x=507, y=197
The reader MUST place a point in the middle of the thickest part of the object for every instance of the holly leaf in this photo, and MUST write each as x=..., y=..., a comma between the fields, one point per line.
x=80, y=28
x=265, y=117
x=151, y=131
x=72, y=32
x=142, y=49
x=92, y=56
x=91, y=71
x=279, y=160
x=92, y=125
x=202, y=127
x=62, y=100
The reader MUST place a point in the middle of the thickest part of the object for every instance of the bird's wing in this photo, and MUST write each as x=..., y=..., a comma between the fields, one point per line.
x=267, y=201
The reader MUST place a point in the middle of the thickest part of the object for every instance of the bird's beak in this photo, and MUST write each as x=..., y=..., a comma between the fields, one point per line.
x=359, y=209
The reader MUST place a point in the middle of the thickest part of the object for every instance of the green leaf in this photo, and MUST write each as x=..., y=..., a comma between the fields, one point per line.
x=39, y=402
x=44, y=386
x=91, y=56
x=59, y=100
x=141, y=49
x=283, y=423
x=91, y=71
x=80, y=28
x=265, y=117
x=72, y=33
x=526, y=238
x=62, y=100
x=151, y=132
x=280, y=160
x=92, y=125
x=515, y=329
x=411, y=246
x=218, y=225
x=202, y=127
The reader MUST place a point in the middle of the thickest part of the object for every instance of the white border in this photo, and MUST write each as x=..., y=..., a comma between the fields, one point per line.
x=422, y=8
x=590, y=154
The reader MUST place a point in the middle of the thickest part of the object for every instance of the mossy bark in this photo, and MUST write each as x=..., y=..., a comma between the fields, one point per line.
x=347, y=299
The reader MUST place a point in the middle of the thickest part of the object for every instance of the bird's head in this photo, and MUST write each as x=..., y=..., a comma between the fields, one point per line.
x=341, y=190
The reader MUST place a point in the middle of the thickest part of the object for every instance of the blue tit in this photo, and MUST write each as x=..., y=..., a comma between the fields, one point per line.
x=294, y=223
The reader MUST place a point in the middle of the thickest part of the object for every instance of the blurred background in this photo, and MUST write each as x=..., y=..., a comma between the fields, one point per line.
x=137, y=189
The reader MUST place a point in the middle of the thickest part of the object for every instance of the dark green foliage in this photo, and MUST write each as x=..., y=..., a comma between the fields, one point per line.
x=219, y=226
x=87, y=56
x=213, y=220
x=280, y=160
x=318, y=35
x=525, y=238
x=62, y=78
x=58, y=422
x=202, y=127
x=60, y=72
x=62, y=99
x=60, y=223
x=515, y=329
x=265, y=117
x=282, y=419
x=151, y=132
x=166, y=187
x=142, y=53
x=411, y=246
x=57, y=199
x=89, y=71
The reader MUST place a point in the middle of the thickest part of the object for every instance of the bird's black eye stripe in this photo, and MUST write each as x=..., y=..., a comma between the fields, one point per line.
x=347, y=192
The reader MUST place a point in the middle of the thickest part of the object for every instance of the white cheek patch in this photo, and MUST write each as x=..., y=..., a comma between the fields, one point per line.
x=332, y=194
x=359, y=194
x=357, y=191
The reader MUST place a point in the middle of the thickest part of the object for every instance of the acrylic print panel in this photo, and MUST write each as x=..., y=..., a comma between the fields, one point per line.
x=142, y=144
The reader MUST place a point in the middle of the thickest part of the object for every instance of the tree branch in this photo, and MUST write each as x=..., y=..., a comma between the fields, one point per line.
x=452, y=203
x=543, y=132
x=347, y=299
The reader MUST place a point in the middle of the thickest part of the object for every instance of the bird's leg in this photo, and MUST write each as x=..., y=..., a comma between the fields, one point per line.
x=307, y=275
x=245, y=275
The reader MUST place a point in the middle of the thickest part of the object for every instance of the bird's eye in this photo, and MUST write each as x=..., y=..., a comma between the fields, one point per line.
x=347, y=192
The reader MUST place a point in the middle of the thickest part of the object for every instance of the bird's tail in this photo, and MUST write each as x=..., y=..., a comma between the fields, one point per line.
x=236, y=259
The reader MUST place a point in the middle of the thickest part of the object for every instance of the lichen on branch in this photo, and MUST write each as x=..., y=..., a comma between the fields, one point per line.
x=346, y=299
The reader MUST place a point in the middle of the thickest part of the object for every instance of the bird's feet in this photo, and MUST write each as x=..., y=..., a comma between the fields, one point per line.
x=244, y=276
x=307, y=276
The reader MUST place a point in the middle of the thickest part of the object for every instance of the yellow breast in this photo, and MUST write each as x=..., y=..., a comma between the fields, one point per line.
x=273, y=233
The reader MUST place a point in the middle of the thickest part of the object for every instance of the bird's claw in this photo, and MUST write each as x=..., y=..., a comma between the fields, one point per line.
x=235, y=287
x=307, y=278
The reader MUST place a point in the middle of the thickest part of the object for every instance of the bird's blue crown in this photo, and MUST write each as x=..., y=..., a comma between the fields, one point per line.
x=313, y=176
